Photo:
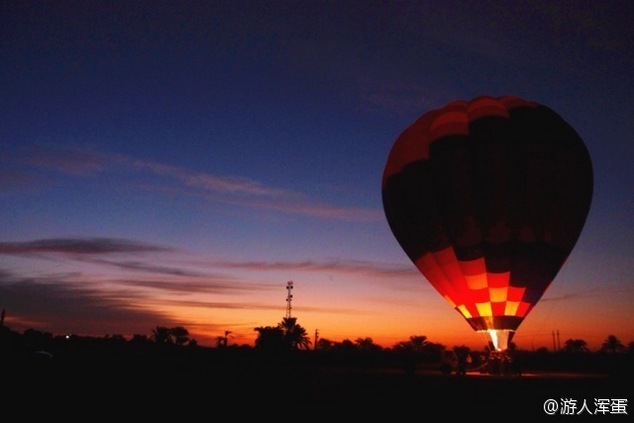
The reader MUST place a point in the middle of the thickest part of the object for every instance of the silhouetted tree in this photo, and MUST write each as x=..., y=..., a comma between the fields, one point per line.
x=139, y=341
x=433, y=350
x=418, y=342
x=37, y=338
x=139, y=338
x=414, y=344
x=325, y=344
x=270, y=338
x=612, y=345
x=221, y=341
x=295, y=334
x=175, y=335
x=162, y=335
x=575, y=346
x=411, y=352
x=347, y=345
x=180, y=335
x=367, y=344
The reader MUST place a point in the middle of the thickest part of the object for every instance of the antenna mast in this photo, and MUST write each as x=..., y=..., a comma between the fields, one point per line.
x=289, y=297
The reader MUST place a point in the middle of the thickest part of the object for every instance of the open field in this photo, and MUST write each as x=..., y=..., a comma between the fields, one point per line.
x=200, y=384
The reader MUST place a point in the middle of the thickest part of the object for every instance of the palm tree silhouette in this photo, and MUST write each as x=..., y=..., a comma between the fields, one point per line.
x=612, y=345
x=295, y=334
x=162, y=335
x=180, y=335
x=576, y=346
x=270, y=338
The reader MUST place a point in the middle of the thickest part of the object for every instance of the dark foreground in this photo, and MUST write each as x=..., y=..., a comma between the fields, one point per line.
x=267, y=387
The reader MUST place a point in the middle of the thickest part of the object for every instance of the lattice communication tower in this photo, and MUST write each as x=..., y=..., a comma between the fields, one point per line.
x=289, y=297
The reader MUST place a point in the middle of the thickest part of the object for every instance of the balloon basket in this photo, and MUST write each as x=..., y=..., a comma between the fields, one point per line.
x=501, y=363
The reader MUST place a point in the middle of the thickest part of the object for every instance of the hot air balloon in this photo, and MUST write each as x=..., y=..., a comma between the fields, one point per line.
x=487, y=198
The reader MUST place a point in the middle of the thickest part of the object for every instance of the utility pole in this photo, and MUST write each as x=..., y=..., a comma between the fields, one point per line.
x=316, y=338
x=556, y=340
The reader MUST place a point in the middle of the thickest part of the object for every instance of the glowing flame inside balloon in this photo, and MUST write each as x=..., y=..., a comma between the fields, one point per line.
x=488, y=198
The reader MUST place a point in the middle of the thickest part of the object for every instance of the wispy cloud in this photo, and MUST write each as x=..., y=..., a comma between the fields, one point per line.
x=144, y=267
x=206, y=181
x=185, y=274
x=38, y=301
x=341, y=266
x=174, y=180
x=605, y=290
x=70, y=161
x=75, y=246
x=295, y=206
x=259, y=306
x=188, y=275
x=203, y=285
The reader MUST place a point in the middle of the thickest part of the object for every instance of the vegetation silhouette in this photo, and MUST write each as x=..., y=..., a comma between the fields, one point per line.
x=288, y=335
x=170, y=365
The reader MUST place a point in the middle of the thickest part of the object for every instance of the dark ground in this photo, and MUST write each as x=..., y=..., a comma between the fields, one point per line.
x=262, y=387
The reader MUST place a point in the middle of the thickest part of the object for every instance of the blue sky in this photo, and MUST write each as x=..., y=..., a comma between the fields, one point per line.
x=168, y=163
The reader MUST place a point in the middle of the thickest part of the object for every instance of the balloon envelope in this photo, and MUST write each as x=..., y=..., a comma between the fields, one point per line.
x=487, y=198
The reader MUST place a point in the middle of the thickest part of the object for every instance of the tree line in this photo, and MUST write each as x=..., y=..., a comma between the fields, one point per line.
x=289, y=335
